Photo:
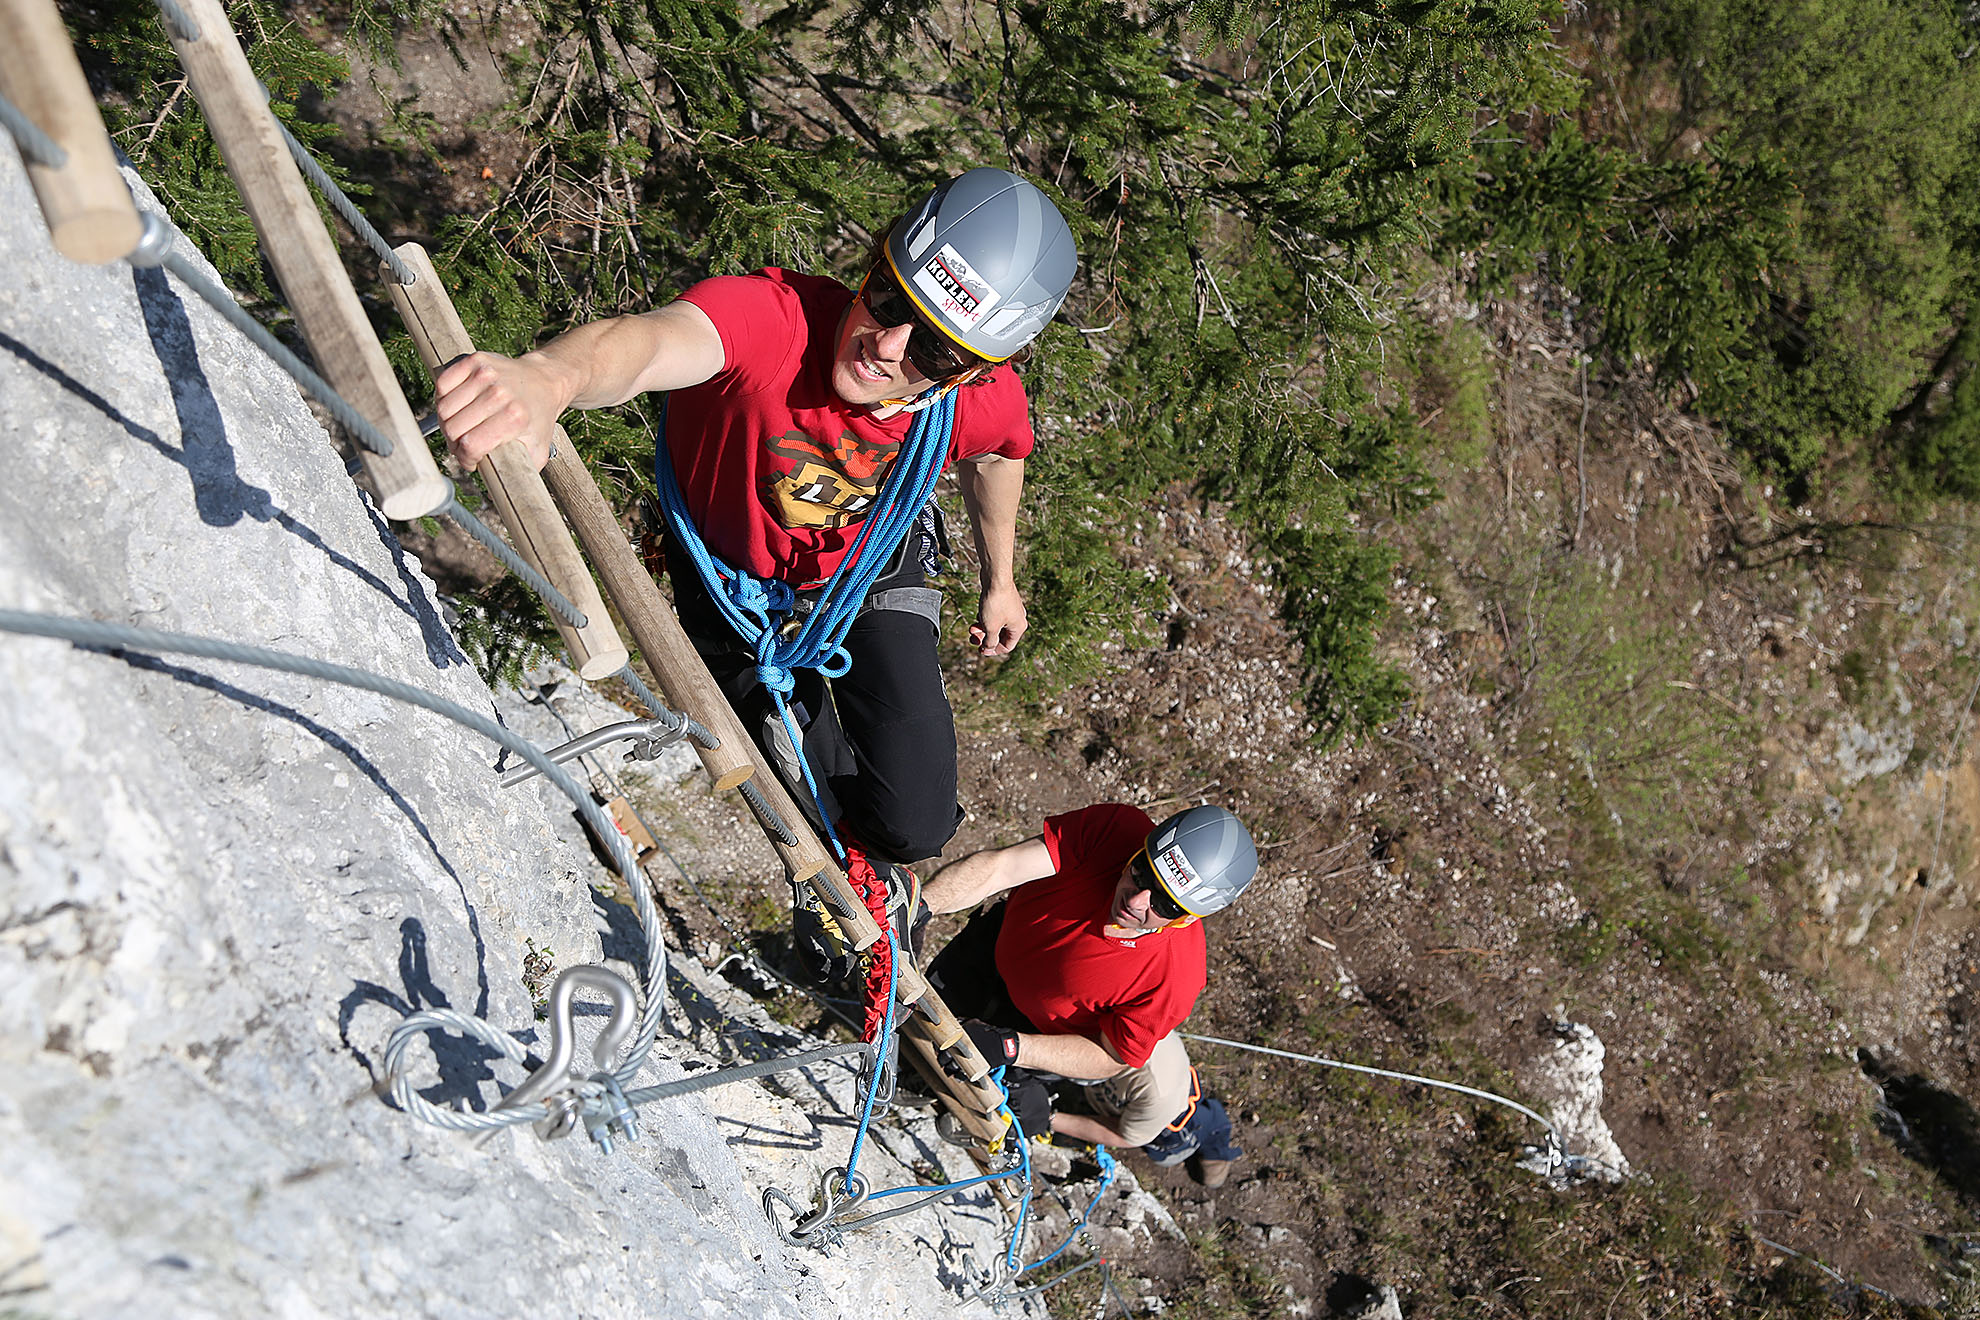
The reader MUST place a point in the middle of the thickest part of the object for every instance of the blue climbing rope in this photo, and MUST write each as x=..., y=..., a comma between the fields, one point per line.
x=1016, y=1134
x=758, y=607
x=1108, y=1168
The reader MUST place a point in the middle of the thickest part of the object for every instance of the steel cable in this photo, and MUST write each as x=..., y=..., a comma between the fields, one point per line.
x=223, y=302
x=110, y=636
x=345, y=207
x=515, y=563
x=37, y=146
x=1378, y=1072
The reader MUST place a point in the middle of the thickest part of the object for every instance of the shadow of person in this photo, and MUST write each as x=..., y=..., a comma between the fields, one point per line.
x=220, y=496
x=464, y=1063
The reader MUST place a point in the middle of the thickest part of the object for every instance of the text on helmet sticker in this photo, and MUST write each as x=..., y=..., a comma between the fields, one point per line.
x=953, y=287
x=1176, y=872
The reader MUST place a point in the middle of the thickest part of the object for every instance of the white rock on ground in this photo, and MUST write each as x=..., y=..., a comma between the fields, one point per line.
x=1565, y=1082
x=220, y=889
x=1384, y=1305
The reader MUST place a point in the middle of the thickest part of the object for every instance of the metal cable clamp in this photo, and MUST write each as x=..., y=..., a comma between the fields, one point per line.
x=649, y=739
x=816, y=1229
x=543, y=1086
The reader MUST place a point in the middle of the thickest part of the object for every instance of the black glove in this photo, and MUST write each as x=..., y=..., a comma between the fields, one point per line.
x=820, y=946
x=997, y=1046
x=1031, y=1106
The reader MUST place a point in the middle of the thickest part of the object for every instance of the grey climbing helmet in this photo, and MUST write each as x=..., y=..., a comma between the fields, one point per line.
x=987, y=258
x=1204, y=857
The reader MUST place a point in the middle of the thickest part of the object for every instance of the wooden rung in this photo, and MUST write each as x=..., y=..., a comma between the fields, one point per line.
x=943, y=1028
x=684, y=681
x=514, y=486
x=978, y=1119
x=84, y=200
x=407, y=482
x=963, y=1055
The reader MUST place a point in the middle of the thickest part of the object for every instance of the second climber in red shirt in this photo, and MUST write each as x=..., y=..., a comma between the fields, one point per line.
x=789, y=398
x=1096, y=954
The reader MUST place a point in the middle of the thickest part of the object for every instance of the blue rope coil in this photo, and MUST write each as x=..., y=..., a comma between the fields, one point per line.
x=757, y=607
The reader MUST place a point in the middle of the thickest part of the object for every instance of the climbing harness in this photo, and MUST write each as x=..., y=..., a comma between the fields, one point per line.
x=1189, y=1109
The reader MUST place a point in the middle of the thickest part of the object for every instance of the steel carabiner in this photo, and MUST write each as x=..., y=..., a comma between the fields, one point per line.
x=556, y=1070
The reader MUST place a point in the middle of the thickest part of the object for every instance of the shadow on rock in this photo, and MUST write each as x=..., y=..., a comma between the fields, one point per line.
x=463, y=1062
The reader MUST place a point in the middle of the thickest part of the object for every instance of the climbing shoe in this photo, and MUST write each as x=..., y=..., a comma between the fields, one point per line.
x=908, y=915
x=782, y=753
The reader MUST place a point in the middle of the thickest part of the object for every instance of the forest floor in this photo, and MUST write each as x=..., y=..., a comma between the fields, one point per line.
x=1684, y=764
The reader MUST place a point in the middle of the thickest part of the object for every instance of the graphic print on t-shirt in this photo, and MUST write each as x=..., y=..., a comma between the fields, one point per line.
x=809, y=485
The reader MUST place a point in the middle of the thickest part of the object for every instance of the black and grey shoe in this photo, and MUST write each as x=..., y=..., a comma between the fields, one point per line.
x=785, y=760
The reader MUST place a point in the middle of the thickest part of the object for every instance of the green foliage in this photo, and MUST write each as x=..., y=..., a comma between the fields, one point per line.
x=1244, y=199
x=1673, y=257
x=151, y=113
x=1454, y=369
x=1873, y=108
x=504, y=631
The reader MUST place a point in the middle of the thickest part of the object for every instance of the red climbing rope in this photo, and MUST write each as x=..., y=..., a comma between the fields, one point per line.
x=872, y=890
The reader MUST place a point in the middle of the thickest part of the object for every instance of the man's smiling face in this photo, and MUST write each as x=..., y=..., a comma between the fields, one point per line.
x=870, y=365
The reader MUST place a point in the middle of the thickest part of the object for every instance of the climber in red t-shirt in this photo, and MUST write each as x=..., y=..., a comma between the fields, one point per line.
x=788, y=398
x=1095, y=954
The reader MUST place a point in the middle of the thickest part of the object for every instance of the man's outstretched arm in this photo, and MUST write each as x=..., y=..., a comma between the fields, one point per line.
x=1081, y=1058
x=968, y=881
x=1084, y=1127
x=486, y=400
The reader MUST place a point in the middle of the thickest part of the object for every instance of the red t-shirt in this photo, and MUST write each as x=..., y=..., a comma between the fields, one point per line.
x=1063, y=972
x=778, y=473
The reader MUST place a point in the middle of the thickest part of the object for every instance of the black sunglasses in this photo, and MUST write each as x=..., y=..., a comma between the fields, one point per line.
x=933, y=353
x=1159, y=901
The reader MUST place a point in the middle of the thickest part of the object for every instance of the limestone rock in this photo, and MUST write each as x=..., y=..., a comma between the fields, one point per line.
x=1566, y=1083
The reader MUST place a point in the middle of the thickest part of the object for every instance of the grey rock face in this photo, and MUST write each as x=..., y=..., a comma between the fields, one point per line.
x=221, y=888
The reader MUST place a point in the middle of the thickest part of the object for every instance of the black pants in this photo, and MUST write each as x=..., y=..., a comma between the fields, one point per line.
x=880, y=739
x=965, y=974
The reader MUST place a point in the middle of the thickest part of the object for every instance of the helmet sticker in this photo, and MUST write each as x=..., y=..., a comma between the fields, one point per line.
x=1176, y=872
x=953, y=287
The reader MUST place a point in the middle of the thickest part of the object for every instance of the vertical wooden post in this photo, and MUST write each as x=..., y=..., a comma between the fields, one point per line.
x=408, y=482
x=89, y=211
x=518, y=493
